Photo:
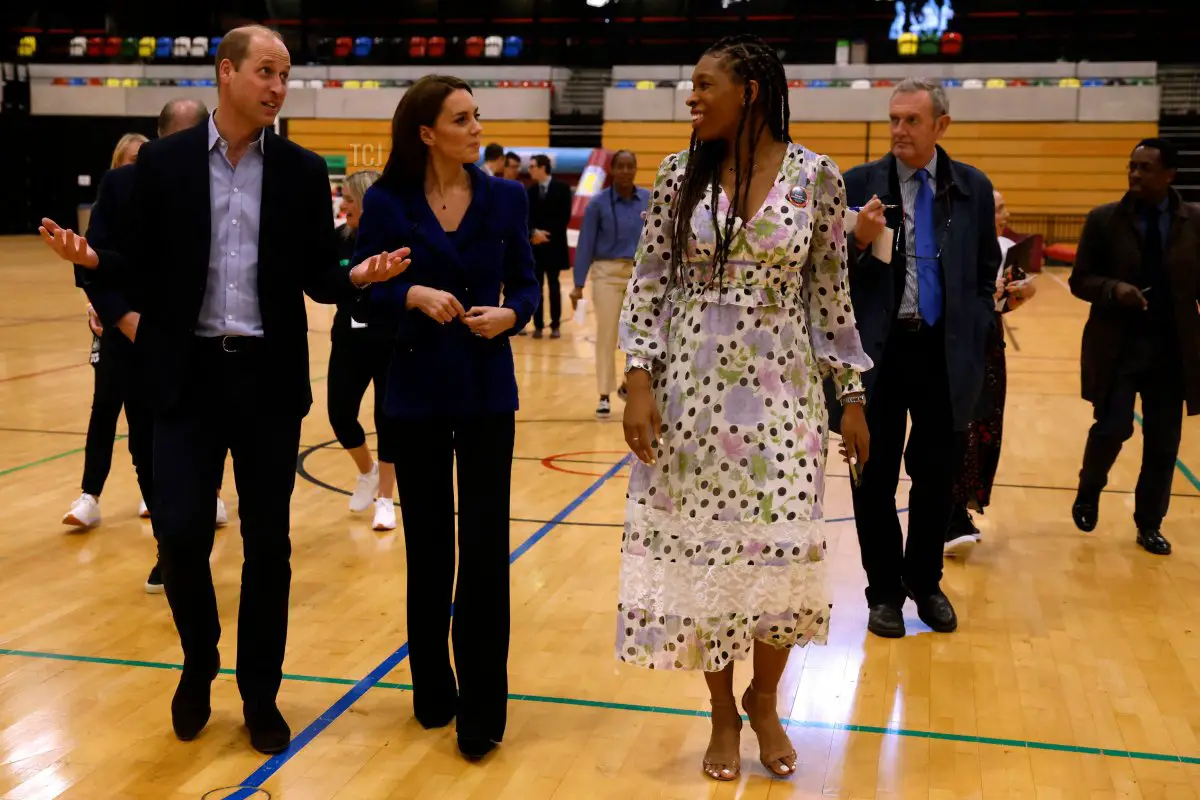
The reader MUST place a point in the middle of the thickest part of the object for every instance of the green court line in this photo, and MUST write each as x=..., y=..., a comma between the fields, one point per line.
x=48, y=459
x=669, y=710
x=1179, y=465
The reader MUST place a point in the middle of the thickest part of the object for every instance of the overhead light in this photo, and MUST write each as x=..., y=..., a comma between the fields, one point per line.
x=597, y=3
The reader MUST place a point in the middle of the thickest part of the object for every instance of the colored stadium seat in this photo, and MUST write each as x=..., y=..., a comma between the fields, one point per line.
x=129, y=47
x=952, y=43
x=78, y=46
x=1093, y=82
x=684, y=86
x=146, y=47
x=995, y=83
x=163, y=47
x=370, y=84
x=1069, y=83
x=417, y=47
x=437, y=46
x=972, y=83
x=112, y=47
x=95, y=46
x=626, y=85
x=907, y=44
x=362, y=46
x=199, y=46
x=352, y=84
x=861, y=83
x=295, y=83
x=644, y=85
x=493, y=46
x=27, y=46
x=1018, y=82
x=113, y=83
x=951, y=83
x=474, y=47
x=513, y=46
x=182, y=47
x=315, y=83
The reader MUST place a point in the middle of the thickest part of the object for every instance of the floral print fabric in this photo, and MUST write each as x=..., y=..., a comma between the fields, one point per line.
x=723, y=542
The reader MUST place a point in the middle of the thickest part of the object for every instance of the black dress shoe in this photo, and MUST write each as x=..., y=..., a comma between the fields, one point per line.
x=1152, y=541
x=886, y=621
x=191, y=706
x=475, y=748
x=1086, y=515
x=269, y=731
x=435, y=709
x=936, y=612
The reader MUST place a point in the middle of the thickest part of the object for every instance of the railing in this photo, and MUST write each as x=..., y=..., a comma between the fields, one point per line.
x=1054, y=228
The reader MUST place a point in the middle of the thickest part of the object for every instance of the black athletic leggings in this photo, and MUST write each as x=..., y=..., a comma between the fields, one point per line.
x=355, y=360
x=111, y=363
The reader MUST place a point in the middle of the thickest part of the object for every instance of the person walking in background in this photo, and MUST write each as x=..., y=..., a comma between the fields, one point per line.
x=549, y=216
x=452, y=396
x=1138, y=264
x=926, y=312
x=612, y=226
x=737, y=305
x=981, y=454
x=360, y=354
x=493, y=160
x=512, y=167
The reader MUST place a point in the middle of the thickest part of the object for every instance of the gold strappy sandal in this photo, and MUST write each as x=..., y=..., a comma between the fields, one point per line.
x=727, y=765
x=779, y=759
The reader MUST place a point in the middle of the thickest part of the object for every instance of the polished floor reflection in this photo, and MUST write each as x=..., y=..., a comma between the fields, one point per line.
x=1075, y=671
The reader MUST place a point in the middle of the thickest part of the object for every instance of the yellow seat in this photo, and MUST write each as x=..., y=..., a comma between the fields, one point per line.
x=128, y=83
x=27, y=46
x=113, y=83
x=1069, y=83
x=352, y=85
x=995, y=83
x=647, y=85
x=907, y=44
x=146, y=47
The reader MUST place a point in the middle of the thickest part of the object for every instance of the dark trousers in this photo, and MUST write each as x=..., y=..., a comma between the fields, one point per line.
x=912, y=381
x=1150, y=369
x=355, y=360
x=483, y=447
x=224, y=410
x=117, y=386
x=549, y=276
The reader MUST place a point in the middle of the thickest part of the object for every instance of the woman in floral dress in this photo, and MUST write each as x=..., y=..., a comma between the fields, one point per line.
x=730, y=328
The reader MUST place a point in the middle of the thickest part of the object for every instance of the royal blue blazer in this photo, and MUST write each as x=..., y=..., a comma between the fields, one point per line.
x=445, y=371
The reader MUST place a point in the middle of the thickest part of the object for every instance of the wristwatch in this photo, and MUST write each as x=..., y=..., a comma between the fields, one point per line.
x=859, y=398
x=638, y=363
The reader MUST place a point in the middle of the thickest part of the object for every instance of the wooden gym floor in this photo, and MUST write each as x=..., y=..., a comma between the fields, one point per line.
x=1075, y=671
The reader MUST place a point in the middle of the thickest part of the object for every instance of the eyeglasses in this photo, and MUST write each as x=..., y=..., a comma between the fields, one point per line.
x=941, y=241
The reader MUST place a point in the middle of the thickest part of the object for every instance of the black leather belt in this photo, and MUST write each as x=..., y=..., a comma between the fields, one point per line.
x=910, y=324
x=232, y=344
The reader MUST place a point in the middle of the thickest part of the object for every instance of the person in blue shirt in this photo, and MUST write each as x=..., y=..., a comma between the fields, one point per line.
x=612, y=226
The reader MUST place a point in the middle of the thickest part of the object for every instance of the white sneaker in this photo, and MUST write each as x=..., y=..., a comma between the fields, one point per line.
x=603, y=408
x=84, y=513
x=365, y=490
x=143, y=511
x=222, y=514
x=385, y=515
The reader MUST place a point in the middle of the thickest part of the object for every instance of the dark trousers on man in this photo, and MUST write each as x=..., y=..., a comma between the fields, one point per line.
x=483, y=448
x=1149, y=366
x=548, y=276
x=912, y=380
x=225, y=409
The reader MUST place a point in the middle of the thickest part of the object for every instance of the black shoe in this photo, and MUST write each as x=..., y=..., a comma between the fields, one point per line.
x=555, y=333
x=538, y=334
x=154, y=584
x=269, y=731
x=1086, y=513
x=191, y=706
x=936, y=612
x=475, y=748
x=886, y=621
x=434, y=711
x=1152, y=541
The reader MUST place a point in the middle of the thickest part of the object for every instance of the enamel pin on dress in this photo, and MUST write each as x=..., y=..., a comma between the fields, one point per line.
x=798, y=196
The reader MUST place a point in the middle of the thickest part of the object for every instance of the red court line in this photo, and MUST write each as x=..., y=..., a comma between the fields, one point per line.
x=548, y=461
x=40, y=372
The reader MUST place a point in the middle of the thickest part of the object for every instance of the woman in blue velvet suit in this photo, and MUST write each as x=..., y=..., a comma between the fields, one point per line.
x=452, y=393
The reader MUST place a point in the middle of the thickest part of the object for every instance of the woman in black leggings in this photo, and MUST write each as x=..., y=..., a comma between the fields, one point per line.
x=360, y=354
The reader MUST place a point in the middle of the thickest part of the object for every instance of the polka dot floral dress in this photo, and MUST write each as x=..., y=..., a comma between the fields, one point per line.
x=723, y=541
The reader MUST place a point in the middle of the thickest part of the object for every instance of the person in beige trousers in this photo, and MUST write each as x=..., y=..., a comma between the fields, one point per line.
x=612, y=228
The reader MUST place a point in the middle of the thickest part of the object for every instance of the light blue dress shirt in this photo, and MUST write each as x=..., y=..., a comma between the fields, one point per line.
x=612, y=228
x=230, y=306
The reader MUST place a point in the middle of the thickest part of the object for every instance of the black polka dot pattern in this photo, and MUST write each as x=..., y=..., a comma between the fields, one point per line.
x=739, y=373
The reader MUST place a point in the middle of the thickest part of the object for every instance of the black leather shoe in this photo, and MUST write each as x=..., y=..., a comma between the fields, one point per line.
x=1152, y=541
x=936, y=612
x=435, y=709
x=475, y=748
x=191, y=706
x=886, y=621
x=1086, y=515
x=269, y=731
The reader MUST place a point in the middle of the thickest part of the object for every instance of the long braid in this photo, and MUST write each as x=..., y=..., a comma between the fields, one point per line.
x=748, y=59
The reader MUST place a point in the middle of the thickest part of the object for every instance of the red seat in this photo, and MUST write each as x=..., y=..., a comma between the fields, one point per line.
x=112, y=46
x=95, y=46
x=342, y=46
x=437, y=46
x=417, y=47
x=1061, y=252
x=475, y=47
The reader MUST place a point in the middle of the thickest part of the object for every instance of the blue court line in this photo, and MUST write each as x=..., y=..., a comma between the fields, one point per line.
x=325, y=719
x=889, y=730
x=1182, y=467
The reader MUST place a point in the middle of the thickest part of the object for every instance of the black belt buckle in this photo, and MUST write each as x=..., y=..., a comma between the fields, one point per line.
x=911, y=324
x=235, y=344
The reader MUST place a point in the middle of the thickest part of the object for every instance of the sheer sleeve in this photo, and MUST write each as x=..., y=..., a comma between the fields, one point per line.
x=646, y=316
x=831, y=322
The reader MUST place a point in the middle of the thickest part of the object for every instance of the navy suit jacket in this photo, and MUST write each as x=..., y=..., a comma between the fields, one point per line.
x=445, y=370
x=110, y=228
x=965, y=213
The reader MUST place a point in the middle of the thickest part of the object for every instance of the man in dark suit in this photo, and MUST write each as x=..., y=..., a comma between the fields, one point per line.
x=236, y=227
x=111, y=227
x=549, y=216
x=1138, y=264
x=924, y=307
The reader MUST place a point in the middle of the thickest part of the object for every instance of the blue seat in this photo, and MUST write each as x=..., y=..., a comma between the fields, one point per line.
x=165, y=47
x=513, y=46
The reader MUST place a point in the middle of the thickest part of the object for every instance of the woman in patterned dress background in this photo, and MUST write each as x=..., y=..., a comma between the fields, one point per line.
x=732, y=320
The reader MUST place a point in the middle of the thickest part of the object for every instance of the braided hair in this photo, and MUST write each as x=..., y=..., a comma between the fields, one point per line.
x=747, y=58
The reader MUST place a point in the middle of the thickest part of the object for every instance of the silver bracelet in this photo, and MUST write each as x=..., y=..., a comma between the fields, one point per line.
x=860, y=399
